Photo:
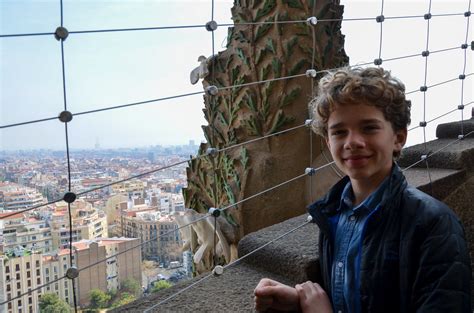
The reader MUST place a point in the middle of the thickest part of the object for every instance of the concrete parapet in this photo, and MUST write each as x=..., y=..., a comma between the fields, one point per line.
x=455, y=155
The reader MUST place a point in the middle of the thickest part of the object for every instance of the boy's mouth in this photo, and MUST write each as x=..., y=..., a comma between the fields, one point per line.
x=356, y=157
x=356, y=160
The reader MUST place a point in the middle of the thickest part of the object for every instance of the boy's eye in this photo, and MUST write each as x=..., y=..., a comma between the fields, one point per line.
x=338, y=132
x=370, y=128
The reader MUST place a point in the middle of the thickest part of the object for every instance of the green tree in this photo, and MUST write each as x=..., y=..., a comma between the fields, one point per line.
x=125, y=298
x=132, y=286
x=99, y=299
x=159, y=285
x=51, y=303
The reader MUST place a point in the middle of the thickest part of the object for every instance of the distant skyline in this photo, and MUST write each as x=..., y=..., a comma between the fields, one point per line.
x=108, y=69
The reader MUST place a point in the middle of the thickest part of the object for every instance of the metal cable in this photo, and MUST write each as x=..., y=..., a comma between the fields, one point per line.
x=424, y=96
x=220, y=25
x=213, y=159
x=381, y=32
x=63, y=67
x=464, y=69
x=261, y=138
x=437, y=84
x=313, y=95
x=272, y=188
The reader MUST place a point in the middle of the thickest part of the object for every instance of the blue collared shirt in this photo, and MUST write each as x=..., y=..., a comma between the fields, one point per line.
x=347, y=229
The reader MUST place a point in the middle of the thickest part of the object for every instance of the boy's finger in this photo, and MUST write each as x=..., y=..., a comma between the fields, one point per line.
x=261, y=304
x=264, y=291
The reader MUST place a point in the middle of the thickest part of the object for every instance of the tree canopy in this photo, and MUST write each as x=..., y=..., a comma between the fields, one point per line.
x=159, y=285
x=99, y=299
x=51, y=303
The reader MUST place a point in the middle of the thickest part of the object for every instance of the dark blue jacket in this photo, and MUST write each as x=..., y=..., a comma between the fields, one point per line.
x=414, y=257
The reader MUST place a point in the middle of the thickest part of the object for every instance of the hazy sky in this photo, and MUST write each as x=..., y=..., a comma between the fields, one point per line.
x=107, y=69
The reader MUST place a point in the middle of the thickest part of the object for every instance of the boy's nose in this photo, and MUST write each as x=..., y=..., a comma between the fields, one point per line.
x=354, y=141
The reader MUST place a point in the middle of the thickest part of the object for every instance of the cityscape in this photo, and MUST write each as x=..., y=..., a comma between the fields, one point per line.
x=120, y=219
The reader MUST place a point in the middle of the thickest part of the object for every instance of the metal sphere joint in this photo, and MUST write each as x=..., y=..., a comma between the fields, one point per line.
x=425, y=53
x=311, y=73
x=65, y=116
x=212, y=90
x=218, y=270
x=61, y=33
x=69, y=197
x=423, y=157
x=309, y=171
x=211, y=26
x=312, y=20
x=380, y=19
x=427, y=16
x=309, y=218
x=212, y=151
x=308, y=122
x=215, y=212
x=72, y=272
x=462, y=76
x=423, y=88
x=378, y=61
x=461, y=107
x=467, y=13
x=464, y=46
x=423, y=124
x=460, y=137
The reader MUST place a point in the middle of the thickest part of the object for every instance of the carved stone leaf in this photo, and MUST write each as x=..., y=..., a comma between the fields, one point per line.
x=290, y=97
x=262, y=31
x=296, y=4
x=268, y=6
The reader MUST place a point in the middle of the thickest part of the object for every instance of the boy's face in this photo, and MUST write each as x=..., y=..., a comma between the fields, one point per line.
x=362, y=142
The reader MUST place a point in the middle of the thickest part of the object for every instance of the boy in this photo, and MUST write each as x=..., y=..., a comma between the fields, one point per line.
x=384, y=246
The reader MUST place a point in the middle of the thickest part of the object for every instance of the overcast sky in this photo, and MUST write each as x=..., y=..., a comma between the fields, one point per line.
x=107, y=69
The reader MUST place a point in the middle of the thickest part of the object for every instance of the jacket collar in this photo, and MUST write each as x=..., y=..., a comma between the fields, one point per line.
x=326, y=207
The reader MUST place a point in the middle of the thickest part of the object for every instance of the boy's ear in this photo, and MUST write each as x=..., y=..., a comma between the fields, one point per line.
x=400, y=139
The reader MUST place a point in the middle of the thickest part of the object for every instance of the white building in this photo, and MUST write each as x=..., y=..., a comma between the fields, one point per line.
x=14, y=197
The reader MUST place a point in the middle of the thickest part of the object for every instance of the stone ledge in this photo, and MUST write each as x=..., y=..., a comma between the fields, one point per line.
x=459, y=155
x=230, y=292
x=443, y=181
x=292, y=256
x=453, y=129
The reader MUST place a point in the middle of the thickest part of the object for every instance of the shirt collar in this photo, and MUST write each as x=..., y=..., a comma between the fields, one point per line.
x=369, y=204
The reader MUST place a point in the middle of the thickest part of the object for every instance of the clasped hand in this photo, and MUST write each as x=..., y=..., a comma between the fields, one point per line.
x=307, y=297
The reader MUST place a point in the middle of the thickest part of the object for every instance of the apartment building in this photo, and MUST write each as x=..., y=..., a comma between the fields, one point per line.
x=154, y=230
x=25, y=230
x=131, y=189
x=167, y=203
x=20, y=273
x=108, y=274
x=14, y=197
x=55, y=265
x=88, y=223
